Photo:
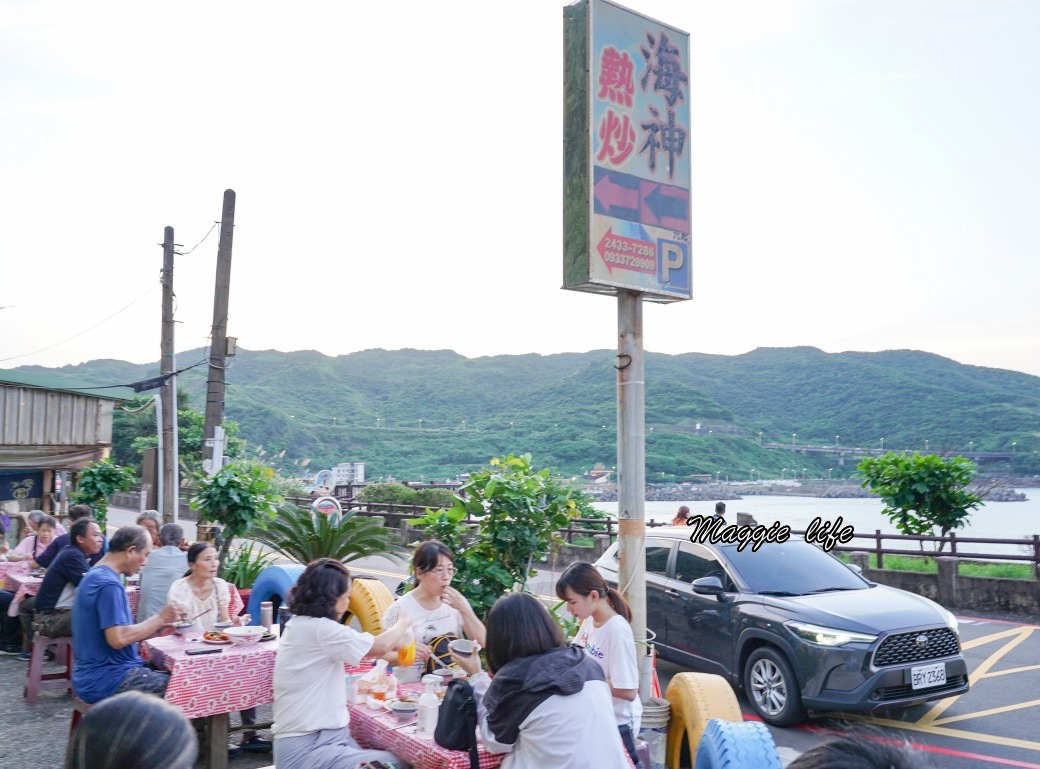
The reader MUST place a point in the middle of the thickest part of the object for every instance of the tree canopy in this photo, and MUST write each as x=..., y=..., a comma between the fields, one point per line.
x=922, y=492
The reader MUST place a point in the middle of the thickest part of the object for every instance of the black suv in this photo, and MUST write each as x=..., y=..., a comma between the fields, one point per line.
x=795, y=627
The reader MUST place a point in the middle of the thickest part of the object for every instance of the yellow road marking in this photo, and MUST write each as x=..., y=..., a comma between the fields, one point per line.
x=1017, y=636
x=1011, y=670
x=990, y=712
x=992, y=739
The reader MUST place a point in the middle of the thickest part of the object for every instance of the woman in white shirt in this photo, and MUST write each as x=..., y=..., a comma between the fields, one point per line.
x=436, y=608
x=548, y=705
x=606, y=636
x=311, y=721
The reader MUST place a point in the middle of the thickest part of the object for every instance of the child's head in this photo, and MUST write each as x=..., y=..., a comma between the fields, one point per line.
x=582, y=587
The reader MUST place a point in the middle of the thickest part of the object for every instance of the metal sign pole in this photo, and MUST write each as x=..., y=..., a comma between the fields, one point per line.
x=631, y=452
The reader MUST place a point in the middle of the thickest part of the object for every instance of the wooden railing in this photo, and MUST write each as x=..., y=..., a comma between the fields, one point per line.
x=953, y=547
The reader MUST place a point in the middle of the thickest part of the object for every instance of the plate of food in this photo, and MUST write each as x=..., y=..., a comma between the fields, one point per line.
x=215, y=637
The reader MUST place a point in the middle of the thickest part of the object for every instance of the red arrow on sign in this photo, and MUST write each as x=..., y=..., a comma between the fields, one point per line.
x=608, y=194
x=627, y=253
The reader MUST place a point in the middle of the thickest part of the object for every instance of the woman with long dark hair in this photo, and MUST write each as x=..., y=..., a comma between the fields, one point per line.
x=547, y=704
x=311, y=722
x=606, y=636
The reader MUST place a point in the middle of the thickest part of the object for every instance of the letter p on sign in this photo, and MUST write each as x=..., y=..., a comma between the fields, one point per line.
x=673, y=267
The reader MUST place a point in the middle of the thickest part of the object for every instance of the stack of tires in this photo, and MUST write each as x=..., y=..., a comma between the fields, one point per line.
x=706, y=724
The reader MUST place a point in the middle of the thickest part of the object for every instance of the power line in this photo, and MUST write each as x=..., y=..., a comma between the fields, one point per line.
x=81, y=333
x=185, y=253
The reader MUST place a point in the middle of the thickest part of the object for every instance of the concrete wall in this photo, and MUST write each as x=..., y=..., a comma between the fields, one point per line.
x=949, y=589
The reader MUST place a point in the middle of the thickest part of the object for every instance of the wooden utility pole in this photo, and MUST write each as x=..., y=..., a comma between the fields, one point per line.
x=167, y=365
x=218, y=344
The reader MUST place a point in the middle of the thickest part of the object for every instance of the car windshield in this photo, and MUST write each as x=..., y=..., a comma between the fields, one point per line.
x=791, y=568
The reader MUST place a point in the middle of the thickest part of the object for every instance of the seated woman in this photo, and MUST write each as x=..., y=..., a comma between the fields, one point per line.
x=34, y=544
x=207, y=598
x=436, y=608
x=133, y=730
x=548, y=704
x=311, y=722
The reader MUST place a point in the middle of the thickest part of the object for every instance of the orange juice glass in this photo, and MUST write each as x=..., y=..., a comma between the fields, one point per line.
x=406, y=654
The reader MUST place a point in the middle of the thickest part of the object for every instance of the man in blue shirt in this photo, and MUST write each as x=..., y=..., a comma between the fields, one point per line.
x=44, y=559
x=104, y=636
x=50, y=610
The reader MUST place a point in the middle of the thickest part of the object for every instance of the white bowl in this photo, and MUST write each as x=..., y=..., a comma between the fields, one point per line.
x=249, y=634
x=463, y=647
x=183, y=628
x=404, y=711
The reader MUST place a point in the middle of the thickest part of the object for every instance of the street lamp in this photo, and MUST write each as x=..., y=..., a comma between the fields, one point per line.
x=782, y=471
x=793, y=441
x=803, y=473
x=882, y=444
x=751, y=474
x=759, y=437
x=829, y=473
x=971, y=446
x=1013, y=444
x=837, y=440
x=334, y=421
x=925, y=445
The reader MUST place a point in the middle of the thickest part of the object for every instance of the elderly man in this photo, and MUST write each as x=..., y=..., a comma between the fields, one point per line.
x=103, y=631
x=164, y=567
x=50, y=610
x=44, y=559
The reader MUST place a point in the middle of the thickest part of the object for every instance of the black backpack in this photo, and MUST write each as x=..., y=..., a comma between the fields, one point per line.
x=457, y=721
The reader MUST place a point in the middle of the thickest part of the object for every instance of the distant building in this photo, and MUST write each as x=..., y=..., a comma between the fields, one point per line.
x=348, y=474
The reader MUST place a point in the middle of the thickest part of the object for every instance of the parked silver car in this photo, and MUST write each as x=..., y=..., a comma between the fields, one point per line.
x=794, y=627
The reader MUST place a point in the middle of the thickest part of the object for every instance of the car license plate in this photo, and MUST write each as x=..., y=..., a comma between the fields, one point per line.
x=927, y=676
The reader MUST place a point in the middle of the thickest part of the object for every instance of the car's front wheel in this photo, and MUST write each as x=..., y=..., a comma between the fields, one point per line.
x=772, y=687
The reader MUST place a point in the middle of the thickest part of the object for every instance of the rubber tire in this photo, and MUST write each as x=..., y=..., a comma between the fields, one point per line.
x=695, y=699
x=273, y=582
x=776, y=664
x=747, y=745
x=369, y=600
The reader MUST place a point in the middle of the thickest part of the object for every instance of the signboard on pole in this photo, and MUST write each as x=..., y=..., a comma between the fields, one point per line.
x=626, y=153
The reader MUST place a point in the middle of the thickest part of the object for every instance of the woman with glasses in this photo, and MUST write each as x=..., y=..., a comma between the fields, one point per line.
x=436, y=608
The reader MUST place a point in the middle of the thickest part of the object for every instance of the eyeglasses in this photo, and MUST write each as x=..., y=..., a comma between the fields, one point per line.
x=440, y=571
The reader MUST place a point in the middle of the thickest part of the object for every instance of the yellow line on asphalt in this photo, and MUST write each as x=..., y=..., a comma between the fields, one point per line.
x=992, y=739
x=1012, y=670
x=1017, y=636
x=990, y=712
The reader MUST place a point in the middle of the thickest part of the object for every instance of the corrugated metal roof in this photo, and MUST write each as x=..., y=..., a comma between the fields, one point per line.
x=52, y=382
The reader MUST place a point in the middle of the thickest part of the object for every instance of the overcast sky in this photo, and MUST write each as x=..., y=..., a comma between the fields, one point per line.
x=866, y=176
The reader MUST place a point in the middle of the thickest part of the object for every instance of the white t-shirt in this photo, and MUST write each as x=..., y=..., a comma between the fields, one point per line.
x=563, y=732
x=426, y=625
x=613, y=647
x=310, y=691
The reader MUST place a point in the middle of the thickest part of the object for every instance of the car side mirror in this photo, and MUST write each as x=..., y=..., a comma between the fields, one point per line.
x=708, y=586
x=856, y=568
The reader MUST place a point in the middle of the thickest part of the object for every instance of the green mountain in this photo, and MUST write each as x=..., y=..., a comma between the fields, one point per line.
x=411, y=413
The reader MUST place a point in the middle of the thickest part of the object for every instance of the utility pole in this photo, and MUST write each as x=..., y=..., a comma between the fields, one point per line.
x=218, y=344
x=167, y=365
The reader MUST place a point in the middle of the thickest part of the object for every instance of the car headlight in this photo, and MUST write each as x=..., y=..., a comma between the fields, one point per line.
x=828, y=636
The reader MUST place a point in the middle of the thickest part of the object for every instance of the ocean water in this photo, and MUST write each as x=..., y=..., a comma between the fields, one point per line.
x=999, y=520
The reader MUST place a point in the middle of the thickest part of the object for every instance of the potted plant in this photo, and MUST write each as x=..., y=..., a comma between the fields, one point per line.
x=243, y=566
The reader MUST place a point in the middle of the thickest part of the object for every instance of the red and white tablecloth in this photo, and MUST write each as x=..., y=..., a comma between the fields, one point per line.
x=22, y=585
x=381, y=729
x=240, y=676
x=12, y=567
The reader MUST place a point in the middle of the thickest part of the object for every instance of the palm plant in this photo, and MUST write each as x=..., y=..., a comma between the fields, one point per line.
x=304, y=536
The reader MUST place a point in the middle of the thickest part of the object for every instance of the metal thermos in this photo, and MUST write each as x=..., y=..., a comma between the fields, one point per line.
x=266, y=614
